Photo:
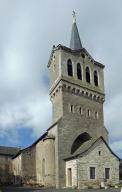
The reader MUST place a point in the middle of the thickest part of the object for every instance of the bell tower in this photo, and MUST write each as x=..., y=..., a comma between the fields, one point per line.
x=77, y=95
x=77, y=84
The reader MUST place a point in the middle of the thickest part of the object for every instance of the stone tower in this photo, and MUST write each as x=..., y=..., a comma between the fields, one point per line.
x=77, y=95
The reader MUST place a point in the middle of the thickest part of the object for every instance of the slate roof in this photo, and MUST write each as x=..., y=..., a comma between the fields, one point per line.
x=87, y=147
x=8, y=151
x=75, y=42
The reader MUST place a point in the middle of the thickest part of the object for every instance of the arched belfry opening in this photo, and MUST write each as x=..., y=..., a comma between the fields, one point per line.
x=96, y=78
x=69, y=67
x=87, y=75
x=79, y=71
x=82, y=138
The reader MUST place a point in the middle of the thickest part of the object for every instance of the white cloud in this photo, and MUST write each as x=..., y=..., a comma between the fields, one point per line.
x=113, y=116
x=34, y=114
x=28, y=31
x=116, y=146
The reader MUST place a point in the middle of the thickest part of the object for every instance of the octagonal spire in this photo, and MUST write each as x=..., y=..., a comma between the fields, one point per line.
x=75, y=42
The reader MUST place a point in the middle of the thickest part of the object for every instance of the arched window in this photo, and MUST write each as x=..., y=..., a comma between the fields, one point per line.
x=88, y=113
x=96, y=115
x=71, y=109
x=82, y=138
x=87, y=75
x=81, y=110
x=79, y=71
x=69, y=68
x=95, y=78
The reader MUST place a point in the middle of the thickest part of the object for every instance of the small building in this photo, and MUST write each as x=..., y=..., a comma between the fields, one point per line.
x=96, y=166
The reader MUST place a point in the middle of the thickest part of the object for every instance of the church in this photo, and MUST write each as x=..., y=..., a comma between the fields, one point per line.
x=74, y=151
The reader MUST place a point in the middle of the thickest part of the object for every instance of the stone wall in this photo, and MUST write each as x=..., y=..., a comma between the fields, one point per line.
x=73, y=124
x=72, y=164
x=54, y=68
x=87, y=61
x=29, y=166
x=45, y=161
x=6, y=174
x=55, y=132
x=17, y=169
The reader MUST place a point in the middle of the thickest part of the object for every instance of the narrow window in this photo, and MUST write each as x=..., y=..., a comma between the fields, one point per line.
x=95, y=78
x=88, y=113
x=87, y=75
x=92, y=172
x=107, y=173
x=99, y=153
x=71, y=108
x=69, y=68
x=80, y=110
x=79, y=71
x=83, y=56
x=96, y=115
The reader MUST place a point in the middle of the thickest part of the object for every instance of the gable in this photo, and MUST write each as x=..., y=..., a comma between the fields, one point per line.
x=100, y=149
x=94, y=147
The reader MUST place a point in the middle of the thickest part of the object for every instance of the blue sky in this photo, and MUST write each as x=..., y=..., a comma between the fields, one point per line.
x=28, y=30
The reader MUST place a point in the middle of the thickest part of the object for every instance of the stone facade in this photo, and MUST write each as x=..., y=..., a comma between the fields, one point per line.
x=45, y=161
x=17, y=169
x=5, y=170
x=29, y=165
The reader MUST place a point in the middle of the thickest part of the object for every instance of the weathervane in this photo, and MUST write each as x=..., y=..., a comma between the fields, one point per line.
x=74, y=16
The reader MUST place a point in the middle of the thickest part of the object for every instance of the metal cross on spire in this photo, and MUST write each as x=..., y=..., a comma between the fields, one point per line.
x=75, y=42
x=74, y=16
